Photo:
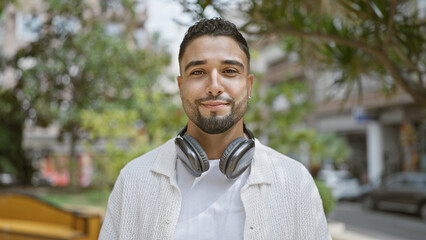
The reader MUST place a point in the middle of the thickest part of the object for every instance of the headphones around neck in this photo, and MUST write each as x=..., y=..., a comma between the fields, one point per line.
x=234, y=160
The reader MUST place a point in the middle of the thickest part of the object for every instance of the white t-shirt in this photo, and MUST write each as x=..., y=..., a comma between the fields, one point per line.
x=211, y=205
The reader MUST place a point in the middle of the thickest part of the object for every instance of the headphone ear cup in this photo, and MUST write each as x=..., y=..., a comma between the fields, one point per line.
x=203, y=160
x=237, y=157
x=229, y=149
x=188, y=156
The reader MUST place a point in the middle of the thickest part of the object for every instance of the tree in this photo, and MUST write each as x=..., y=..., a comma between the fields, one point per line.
x=154, y=118
x=283, y=108
x=75, y=65
x=4, y=4
x=352, y=37
x=11, y=121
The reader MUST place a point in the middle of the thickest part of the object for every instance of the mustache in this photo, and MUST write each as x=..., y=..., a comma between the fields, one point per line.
x=220, y=98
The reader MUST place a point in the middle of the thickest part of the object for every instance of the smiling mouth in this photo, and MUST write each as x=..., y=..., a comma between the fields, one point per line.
x=214, y=104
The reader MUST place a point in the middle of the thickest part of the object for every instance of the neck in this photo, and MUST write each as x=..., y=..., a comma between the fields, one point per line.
x=215, y=144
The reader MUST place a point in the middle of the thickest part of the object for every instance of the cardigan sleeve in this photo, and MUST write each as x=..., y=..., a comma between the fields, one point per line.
x=310, y=210
x=111, y=224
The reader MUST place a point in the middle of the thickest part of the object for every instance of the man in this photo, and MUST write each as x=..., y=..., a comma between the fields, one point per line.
x=214, y=180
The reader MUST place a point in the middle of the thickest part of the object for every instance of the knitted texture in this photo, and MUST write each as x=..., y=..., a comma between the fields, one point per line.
x=280, y=199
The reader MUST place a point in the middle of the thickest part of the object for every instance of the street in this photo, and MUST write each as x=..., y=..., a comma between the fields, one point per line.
x=378, y=224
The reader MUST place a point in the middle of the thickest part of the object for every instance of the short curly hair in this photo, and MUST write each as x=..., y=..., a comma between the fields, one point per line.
x=214, y=27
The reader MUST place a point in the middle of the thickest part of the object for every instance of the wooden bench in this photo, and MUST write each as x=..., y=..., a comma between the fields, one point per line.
x=24, y=217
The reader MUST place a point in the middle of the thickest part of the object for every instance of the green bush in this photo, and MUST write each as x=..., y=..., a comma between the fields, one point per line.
x=328, y=202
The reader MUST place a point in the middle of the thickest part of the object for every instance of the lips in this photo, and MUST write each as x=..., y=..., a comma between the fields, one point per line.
x=214, y=104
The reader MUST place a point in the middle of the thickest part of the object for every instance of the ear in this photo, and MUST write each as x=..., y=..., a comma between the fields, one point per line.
x=250, y=79
x=179, y=80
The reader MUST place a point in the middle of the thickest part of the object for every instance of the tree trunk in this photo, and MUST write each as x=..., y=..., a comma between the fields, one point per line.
x=12, y=157
x=73, y=164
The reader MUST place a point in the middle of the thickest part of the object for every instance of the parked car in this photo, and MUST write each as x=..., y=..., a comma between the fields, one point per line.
x=342, y=184
x=404, y=192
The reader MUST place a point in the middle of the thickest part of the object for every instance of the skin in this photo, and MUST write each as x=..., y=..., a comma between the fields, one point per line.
x=214, y=77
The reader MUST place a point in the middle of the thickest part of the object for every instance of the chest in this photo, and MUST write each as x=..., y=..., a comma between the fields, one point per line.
x=211, y=206
x=262, y=213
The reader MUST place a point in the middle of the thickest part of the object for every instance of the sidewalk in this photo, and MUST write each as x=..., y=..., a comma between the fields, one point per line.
x=338, y=231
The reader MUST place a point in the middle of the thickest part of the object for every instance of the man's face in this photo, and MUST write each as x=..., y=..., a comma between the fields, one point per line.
x=215, y=83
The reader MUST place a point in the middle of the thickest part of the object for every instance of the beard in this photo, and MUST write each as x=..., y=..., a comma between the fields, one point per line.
x=215, y=124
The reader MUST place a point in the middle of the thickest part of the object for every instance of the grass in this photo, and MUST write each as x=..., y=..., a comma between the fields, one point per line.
x=93, y=198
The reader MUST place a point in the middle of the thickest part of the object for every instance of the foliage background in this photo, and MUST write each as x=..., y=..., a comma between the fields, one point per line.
x=382, y=40
x=75, y=69
x=104, y=89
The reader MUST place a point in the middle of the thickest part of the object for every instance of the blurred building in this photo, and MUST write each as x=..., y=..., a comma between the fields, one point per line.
x=386, y=133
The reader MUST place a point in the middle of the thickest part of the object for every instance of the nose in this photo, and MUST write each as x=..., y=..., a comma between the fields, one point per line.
x=214, y=87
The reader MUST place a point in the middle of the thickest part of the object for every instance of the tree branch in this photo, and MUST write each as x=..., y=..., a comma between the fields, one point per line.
x=407, y=61
x=416, y=90
x=390, y=23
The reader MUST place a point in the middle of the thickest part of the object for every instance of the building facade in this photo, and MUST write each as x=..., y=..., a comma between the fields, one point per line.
x=386, y=132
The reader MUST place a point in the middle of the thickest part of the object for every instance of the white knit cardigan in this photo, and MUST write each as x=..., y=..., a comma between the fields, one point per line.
x=280, y=199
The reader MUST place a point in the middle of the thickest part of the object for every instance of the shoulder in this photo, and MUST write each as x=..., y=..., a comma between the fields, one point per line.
x=285, y=173
x=144, y=162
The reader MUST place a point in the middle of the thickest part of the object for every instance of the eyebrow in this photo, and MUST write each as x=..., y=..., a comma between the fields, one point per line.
x=195, y=63
x=233, y=62
x=201, y=62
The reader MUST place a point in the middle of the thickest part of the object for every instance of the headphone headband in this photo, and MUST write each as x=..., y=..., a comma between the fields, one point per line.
x=234, y=160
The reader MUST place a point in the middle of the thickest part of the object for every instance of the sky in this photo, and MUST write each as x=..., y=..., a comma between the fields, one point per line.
x=160, y=19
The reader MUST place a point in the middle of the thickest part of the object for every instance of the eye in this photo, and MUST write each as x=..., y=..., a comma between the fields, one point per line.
x=197, y=72
x=230, y=71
